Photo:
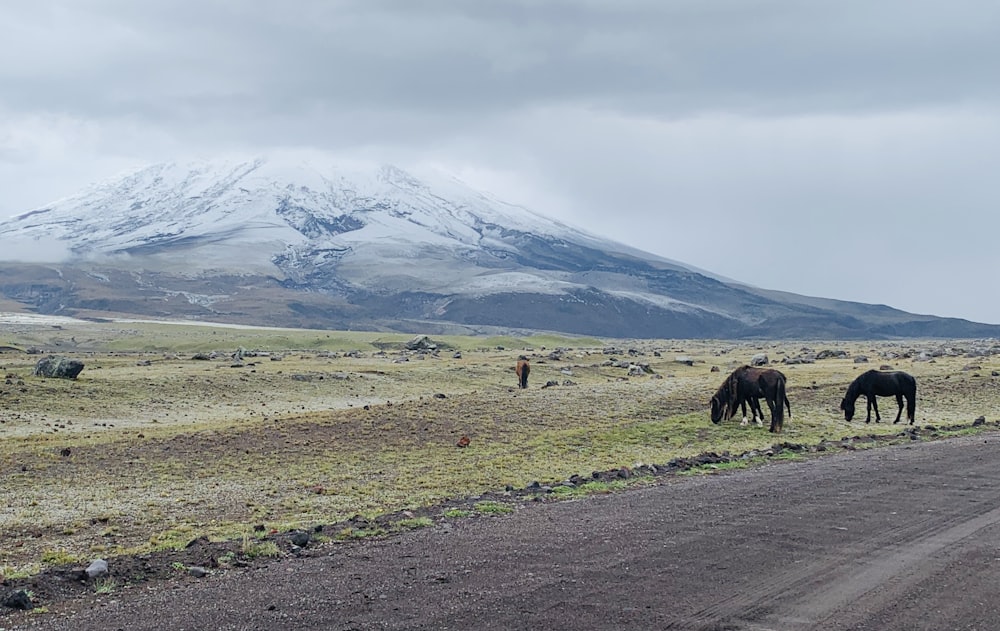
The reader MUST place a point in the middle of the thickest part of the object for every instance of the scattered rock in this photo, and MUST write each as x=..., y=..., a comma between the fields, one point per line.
x=636, y=370
x=97, y=568
x=463, y=441
x=791, y=361
x=58, y=367
x=301, y=538
x=197, y=571
x=421, y=343
x=759, y=360
x=18, y=600
x=979, y=421
x=440, y=395
x=860, y=359
x=831, y=354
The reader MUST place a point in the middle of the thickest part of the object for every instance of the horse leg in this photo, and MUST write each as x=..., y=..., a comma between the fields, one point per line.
x=743, y=406
x=774, y=429
x=868, y=403
x=899, y=402
x=874, y=400
x=758, y=413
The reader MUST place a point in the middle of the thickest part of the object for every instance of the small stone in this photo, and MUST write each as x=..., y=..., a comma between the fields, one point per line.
x=18, y=600
x=97, y=568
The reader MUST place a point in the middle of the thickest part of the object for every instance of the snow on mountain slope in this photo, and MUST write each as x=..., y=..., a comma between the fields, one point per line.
x=305, y=217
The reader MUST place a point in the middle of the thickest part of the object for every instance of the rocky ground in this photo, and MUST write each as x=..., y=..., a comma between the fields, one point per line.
x=171, y=467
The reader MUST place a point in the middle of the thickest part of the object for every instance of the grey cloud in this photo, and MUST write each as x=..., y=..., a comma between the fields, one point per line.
x=741, y=136
x=203, y=59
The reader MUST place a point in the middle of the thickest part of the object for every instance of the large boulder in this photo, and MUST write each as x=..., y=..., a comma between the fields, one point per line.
x=58, y=367
x=421, y=343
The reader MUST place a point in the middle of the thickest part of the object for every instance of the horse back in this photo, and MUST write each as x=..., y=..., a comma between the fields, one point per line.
x=891, y=383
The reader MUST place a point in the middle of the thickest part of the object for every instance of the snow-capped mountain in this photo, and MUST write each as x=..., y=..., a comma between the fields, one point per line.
x=309, y=241
x=296, y=217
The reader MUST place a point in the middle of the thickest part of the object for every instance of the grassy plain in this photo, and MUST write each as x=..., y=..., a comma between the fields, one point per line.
x=149, y=448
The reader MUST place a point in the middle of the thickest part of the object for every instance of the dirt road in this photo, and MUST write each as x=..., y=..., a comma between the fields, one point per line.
x=895, y=538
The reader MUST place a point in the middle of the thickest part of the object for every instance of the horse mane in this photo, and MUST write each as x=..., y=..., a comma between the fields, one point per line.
x=856, y=387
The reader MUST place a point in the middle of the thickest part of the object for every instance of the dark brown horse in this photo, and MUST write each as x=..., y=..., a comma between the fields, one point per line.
x=522, y=369
x=746, y=385
x=879, y=383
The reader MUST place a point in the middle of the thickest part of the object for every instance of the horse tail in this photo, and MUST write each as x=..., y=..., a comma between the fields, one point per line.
x=778, y=420
x=911, y=401
x=522, y=370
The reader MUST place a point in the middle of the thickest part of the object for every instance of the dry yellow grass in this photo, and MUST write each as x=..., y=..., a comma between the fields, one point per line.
x=150, y=448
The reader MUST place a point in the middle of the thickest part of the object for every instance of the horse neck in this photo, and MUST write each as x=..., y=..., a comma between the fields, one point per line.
x=853, y=391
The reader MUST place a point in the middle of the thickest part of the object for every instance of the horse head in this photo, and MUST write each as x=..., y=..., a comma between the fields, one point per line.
x=848, y=407
x=718, y=409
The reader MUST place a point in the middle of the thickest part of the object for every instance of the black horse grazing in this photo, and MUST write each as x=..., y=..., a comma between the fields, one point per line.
x=747, y=385
x=878, y=383
x=521, y=370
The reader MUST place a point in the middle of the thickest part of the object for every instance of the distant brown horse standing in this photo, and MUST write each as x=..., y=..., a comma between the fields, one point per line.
x=522, y=369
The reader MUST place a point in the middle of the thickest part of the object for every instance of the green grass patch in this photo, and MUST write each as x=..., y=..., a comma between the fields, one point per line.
x=414, y=523
x=360, y=533
x=255, y=549
x=59, y=557
x=457, y=513
x=493, y=508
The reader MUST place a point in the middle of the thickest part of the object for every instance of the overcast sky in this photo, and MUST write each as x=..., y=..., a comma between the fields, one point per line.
x=847, y=149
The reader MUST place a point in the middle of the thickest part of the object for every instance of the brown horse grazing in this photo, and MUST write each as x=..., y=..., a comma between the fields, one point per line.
x=878, y=383
x=747, y=385
x=522, y=369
